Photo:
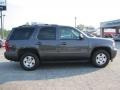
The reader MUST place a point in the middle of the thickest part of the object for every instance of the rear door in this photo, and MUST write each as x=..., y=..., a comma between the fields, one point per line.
x=48, y=44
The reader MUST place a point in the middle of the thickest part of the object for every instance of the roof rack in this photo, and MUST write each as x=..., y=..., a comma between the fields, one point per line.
x=32, y=25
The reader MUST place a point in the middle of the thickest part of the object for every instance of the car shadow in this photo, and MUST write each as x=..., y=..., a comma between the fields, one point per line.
x=11, y=71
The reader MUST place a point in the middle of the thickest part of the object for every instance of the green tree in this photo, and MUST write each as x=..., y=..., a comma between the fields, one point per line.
x=80, y=26
x=6, y=33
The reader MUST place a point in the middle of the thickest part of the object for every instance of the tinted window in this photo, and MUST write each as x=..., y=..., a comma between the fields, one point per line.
x=69, y=33
x=21, y=33
x=47, y=33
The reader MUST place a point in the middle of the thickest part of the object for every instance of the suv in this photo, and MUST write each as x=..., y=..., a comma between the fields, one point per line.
x=34, y=44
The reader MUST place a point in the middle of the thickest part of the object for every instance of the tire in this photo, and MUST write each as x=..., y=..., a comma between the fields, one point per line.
x=29, y=61
x=100, y=58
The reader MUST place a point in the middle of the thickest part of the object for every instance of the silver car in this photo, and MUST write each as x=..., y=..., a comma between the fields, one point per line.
x=117, y=37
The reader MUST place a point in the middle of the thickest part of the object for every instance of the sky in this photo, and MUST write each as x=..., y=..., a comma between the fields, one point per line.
x=62, y=12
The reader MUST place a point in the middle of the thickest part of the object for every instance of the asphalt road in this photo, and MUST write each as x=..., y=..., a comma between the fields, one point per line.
x=80, y=76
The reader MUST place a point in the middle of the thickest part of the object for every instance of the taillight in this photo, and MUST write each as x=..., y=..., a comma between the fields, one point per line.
x=7, y=46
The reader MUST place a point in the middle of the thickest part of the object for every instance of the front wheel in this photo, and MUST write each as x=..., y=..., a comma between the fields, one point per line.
x=29, y=61
x=100, y=58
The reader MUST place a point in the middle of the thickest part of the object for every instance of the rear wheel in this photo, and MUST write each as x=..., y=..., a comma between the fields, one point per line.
x=100, y=58
x=29, y=61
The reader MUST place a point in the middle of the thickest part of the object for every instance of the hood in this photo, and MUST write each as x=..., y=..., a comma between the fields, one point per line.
x=101, y=41
x=104, y=39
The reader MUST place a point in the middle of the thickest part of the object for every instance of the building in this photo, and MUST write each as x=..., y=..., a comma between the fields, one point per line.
x=115, y=24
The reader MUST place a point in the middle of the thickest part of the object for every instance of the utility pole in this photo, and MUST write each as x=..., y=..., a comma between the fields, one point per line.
x=75, y=22
x=3, y=21
x=1, y=24
x=2, y=8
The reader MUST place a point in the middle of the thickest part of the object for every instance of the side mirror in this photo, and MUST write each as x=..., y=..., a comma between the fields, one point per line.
x=81, y=36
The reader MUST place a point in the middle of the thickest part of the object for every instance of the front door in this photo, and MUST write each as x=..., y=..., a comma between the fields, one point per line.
x=71, y=47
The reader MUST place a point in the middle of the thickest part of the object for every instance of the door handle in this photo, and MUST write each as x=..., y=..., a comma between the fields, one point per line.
x=38, y=43
x=63, y=43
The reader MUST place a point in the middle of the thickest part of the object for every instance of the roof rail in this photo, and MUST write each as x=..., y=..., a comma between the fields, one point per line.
x=27, y=25
x=24, y=25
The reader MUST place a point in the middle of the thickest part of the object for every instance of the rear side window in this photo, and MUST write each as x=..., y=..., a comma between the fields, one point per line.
x=21, y=33
x=47, y=33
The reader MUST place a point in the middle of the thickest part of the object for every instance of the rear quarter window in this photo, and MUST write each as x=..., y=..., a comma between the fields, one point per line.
x=21, y=33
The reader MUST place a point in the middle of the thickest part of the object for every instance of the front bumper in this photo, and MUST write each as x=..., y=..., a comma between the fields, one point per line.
x=113, y=53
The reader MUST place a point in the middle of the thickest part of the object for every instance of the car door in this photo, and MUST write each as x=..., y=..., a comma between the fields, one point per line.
x=71, y=47
x=48, y=44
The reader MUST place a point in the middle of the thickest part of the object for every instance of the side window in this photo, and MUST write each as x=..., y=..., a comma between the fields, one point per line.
x=47, y=33
x=68, y=34
x=21, y=33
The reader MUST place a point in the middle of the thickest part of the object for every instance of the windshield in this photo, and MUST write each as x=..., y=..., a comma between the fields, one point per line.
x=90, y=35
x=85, y=34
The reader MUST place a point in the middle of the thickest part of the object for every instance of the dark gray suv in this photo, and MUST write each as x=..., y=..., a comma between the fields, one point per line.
x=34, y=44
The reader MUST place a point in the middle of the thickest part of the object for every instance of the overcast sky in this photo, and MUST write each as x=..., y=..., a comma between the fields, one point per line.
x=88, y=12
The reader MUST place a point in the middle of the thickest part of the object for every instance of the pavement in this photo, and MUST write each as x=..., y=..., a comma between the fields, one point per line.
x=80, y=76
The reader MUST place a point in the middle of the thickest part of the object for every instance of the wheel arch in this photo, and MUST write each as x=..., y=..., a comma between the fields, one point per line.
x=108, y=49
x=30, y=50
